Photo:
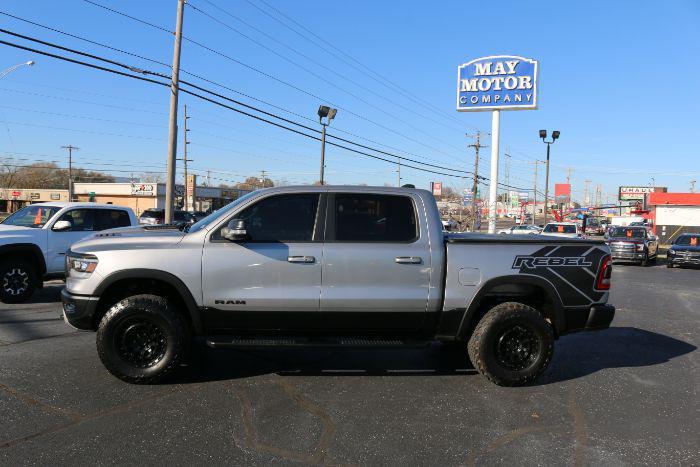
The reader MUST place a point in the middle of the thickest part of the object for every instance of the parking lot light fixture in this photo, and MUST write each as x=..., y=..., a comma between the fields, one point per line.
x=329, y=114
x=14, y=67
x=555, y=136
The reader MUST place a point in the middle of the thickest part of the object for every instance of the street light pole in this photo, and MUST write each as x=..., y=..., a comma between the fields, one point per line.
x=555, y=136
x=172, y=127
x=7, y=71
x=323, y=152
x=329, y=114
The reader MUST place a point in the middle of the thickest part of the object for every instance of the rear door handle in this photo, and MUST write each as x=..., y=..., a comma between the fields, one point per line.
x=408, y=259
x=301, y=259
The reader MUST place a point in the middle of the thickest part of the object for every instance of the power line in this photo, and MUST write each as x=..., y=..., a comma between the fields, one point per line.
x=270, y=76
x=301, y=54
x=187, y=91
x=389, y=84
x=90, y=41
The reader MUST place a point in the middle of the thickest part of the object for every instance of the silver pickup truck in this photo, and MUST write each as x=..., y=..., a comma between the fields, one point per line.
x=333, y=265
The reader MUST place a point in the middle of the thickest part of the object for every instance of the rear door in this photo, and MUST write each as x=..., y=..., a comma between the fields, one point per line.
x=376, y=263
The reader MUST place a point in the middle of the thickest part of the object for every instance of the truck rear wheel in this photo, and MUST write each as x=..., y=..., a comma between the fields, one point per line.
x=17, y=280
x=512, y=344
x=142, y=339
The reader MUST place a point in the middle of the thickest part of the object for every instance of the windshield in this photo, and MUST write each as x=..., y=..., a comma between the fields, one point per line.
x=560, y=228
x=199, y=225
x=152, y=213
x=625, y=232
x=688, y=240
x=32, y=216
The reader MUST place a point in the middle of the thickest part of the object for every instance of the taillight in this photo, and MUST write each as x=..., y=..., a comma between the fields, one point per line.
x=602, y=282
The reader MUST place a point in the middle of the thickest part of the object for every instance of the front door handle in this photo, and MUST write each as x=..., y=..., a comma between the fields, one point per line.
x=408, y=259
x=301, y=259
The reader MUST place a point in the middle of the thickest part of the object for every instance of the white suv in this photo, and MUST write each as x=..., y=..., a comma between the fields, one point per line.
x=34, y=240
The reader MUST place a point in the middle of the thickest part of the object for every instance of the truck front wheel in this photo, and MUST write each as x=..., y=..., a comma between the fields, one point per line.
x=512, y=344
x=17, y=280
x=142, y=339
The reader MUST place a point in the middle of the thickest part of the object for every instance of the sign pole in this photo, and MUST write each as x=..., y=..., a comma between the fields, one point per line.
x=493, y=189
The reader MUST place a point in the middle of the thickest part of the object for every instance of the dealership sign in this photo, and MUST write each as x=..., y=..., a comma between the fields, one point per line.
x=436, y=188
x=502, y=82
x=636, y=193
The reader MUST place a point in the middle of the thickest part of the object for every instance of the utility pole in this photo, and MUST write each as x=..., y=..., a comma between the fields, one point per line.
x=184, y=159
x=172, y=127
x=70, y=169
x=476, y=147
x=534, y=194
x=598, y=193
x=507, y=173
x=587, y=194
x=568, y=182
x=398, y=171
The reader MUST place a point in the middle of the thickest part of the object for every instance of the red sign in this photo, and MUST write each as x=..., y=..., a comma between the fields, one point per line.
x=562, y=189
x=16, y=193
x=437, y=188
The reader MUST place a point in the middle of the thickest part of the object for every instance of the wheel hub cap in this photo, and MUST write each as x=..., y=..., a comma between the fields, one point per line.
x=15, y=281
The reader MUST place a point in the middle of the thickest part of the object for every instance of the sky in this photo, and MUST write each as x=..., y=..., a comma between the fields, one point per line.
x=619, y=80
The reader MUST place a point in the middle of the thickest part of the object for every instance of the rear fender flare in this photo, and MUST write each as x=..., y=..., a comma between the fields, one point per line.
x=472, y=311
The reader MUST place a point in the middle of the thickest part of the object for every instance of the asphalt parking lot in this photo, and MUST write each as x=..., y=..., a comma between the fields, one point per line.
x=627, y=395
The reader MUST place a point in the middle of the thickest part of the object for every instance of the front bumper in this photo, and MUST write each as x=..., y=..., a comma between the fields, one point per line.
x=681, y=258
x=588, y=319
x=79, y=310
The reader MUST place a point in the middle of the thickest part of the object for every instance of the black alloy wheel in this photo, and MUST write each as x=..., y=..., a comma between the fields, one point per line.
x=517, y=347
x=140, y=343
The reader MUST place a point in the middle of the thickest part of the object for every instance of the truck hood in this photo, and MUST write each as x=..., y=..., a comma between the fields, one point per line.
x=625, y=240
x=685, y=248
x=18, y=234
x=131, y=238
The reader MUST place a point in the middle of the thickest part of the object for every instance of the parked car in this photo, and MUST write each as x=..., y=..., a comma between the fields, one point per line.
x=685, y=250
x=521, y=230
x=251, y=275
x=632, y=243
x=562, y=229
x=154, y=216
x=34, y=240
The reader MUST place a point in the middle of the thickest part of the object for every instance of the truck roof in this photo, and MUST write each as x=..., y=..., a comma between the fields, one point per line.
x=63, y=204
x=347, y=188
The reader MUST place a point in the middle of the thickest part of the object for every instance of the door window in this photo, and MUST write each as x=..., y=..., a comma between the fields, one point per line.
x=81, y=220
x=374, y=218
x=111, y=219
x=282, y=218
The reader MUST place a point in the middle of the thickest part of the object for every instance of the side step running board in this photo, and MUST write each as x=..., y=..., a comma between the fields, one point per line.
x=236, y=341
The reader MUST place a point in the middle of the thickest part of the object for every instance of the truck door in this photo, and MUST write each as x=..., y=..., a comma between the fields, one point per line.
x=271, y=280
x=376, y=263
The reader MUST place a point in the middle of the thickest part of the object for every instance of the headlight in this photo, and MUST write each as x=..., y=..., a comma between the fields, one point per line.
x=671, y=252
x=640, y=247
x=80, y=263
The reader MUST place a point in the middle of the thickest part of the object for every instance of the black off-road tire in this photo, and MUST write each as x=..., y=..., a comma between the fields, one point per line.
x=142, y=339
x=495, y=332
x=18, y=279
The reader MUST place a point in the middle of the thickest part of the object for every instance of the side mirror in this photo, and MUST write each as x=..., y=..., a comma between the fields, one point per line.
x=235, y=231
x=61, y=226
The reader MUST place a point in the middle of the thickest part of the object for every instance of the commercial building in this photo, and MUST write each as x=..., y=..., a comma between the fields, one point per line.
x=12, y=199
x=673, y=214
x=142, y=196
x=137, y=196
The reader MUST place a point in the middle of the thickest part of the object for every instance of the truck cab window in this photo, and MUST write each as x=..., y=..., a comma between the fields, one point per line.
x=365, y=217
x=282, y=218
